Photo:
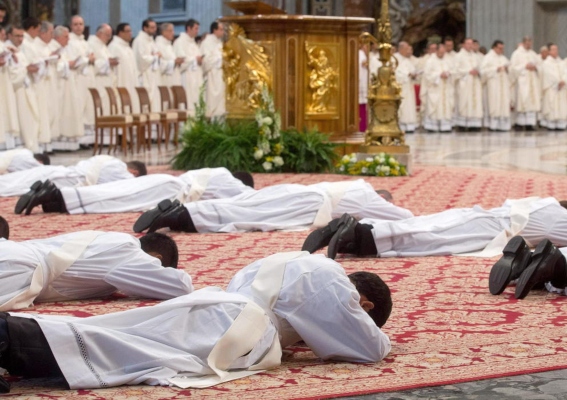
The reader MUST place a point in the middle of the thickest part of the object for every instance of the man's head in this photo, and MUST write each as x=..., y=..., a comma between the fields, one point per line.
x=61, y=35
x=137, y=168
x=468, y=44
x=431, y=48
x=104, y=33
x=3, y=12
x=563, y=203
x=149, y=26
x=192, y=28
x=527, y=42
x=42, y=158
x=544, y=52
x=167, y=31
x=162, y=247
x=375, y=296
x=124, y=32
x=554, y=50
x=404, y=49
x=3, y=36
x=16, y=35
x=77, y=25
x=217, y=29
x=4, y=228
x=31, y=25
x=244, y=177
x=386, y=195
x=441, y=51
x=475, y=45
x=498, y=47
x=449, y=44
x=46, y=31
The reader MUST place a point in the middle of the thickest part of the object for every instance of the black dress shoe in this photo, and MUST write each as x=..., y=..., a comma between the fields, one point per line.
x=541, y=269
x=48, y=193
x=176, y=218
x=4, y=228
x=25, y=199
x=516, y=258
x=344, y=240
x=321, y=237
x=147, y=218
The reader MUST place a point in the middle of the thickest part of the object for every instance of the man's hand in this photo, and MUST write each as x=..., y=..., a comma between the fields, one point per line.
x=473, y=72
x=2, y=61
x=531, y=67
x=179, y=60
x=32, y=68
x=91, y=58
x=72, y=64
x=561, y=85
x=444, y=75
x=113, y=61
x=200, y=60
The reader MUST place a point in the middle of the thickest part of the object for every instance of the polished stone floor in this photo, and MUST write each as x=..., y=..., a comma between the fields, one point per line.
x=540, y=151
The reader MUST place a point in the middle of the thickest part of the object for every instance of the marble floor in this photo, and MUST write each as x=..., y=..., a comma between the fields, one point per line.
x=539, y=151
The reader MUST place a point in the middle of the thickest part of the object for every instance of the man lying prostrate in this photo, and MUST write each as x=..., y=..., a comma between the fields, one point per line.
x=136, y=194
x=89, y=264
x=92, y=171
x=456, y=231
x=20, y=160
x=209, y=336
x=287, y=206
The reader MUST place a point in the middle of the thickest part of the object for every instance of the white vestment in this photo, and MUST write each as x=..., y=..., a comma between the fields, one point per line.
x=145, y=192
x=408, y=111
x=291, y=206
x=554, y=102
x=103, y=73
x=79, y=50
x=211, y=48
x=169, y=70
x=191, y=71
x=362, y=77
x=46, y=50
x=9, y=122
x=127, y=74
x=439, y=97
x=467, y=230
x=92, y=171
x=145, y=51
x=526, y=86
x=497, y=90
x=17, y=160
x=468, y=88
x=350, y=335
x=110, y=262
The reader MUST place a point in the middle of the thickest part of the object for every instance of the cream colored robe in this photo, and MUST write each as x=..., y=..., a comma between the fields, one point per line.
x=191, y=71
x=211, y=47
x=526, y=85
x=468, y=88
x=439, y=97
x=170, y=75
x=127, y=74
x=497, y=90
x=9, y=123
x=103, y=73
x=78, y=48
x=408, y=112
x=554, y=104
x=148, y=62
x=45, y=51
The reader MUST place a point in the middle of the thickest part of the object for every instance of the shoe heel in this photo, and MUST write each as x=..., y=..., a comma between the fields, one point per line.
x=514, y=245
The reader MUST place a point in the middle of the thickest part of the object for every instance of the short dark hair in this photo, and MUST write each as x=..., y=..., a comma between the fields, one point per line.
x=448, y=39
x=3, y=7
x=146, y=23
x=497, y=43
x=121, y=26
x=214, y=26
x=138, y=166
x=376, y=291
x=385, y=194
x=162, y=244
x=244, y=177
x=31, y=22
x=42, y=158
x=563, y=203
x=191, y=23
x=4, y=228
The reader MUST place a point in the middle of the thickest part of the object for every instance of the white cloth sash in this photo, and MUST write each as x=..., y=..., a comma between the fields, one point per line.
x=93, y=173
x=247, y=329
x=335, y=193
x=199, y=184
x=58, y=261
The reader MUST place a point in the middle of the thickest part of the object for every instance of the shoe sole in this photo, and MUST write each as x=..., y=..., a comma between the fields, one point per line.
x=147, y=218
x=321, y=237
x=24, y=200
x=526, y=280
x=335, y=242
x=500, y=274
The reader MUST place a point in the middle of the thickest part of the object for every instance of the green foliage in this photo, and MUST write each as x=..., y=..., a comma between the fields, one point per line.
x=308, y=151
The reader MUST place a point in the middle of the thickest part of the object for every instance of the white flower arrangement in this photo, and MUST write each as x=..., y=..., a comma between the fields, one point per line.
x=380, y=165
x=270, y=146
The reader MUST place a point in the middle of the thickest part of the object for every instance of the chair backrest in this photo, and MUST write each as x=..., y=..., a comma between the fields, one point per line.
x=96, y=101
x=112, y=98
x=145, y=105
x=179, y=97
x=164, y=96
x=125, y=100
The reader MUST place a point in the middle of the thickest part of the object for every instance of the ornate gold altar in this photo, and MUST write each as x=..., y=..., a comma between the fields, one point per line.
x=384, y=94
x=310, y=63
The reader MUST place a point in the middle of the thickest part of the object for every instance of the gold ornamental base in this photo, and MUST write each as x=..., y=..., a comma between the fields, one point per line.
x=402, y=149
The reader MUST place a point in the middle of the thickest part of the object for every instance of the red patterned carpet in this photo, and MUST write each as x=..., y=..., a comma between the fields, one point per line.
x=445, y=326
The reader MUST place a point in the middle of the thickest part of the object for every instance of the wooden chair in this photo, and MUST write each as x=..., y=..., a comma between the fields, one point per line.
x=111, y=122
x=165, y=118
x=180, y=102
x=169, y=106
x=142, y=121
x=114, y=111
